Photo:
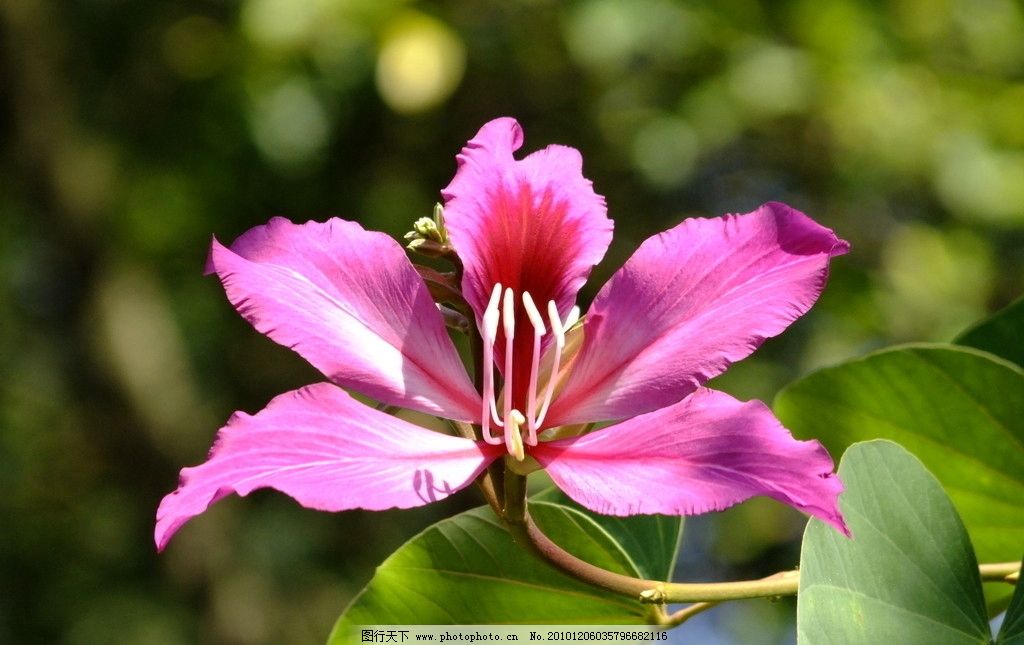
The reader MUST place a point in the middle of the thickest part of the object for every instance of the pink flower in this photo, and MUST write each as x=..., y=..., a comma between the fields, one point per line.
x=688, y=303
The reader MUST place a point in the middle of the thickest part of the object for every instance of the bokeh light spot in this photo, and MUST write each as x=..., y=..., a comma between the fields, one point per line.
x=665, y=151
x=289, y=124
x=609, y=37
x=770, y=79
x=279, y=23
x=975, y=181
x=421, y=62
x=936, y=283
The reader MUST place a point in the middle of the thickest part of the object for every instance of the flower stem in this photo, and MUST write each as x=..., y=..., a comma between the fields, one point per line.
x=784, y=583
x=514, y=511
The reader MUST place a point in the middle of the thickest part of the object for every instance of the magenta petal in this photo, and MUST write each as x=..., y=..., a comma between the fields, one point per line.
x=329, y=452
x=349, y=301
x=534, y=224
x=691, y=301
x=705, y=453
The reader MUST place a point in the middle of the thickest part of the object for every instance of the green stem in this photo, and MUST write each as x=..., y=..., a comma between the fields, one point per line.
x=514, y=511
x=785, y=583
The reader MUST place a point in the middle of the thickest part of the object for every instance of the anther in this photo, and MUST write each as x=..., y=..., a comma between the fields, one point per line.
x=513, y=437
x=572, y=318
x=491, y=313
x=534, y=314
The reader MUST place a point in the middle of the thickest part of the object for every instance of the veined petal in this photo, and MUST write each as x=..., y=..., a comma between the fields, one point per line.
x=705, y=453
x=690, y=302
x=350, y=302
x=532, y=225
x=329, y=452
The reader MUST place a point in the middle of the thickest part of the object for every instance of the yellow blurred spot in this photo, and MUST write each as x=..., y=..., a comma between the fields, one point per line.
x=421, y=62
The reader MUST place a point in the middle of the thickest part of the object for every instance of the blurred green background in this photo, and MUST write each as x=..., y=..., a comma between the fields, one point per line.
x=133, y=131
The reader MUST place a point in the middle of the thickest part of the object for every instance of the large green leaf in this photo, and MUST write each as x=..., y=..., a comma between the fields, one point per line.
x=467, y=570
x=1012, y=631
x=959, y=410
x=908, y=575
x=1002, y=334
x=651, y=541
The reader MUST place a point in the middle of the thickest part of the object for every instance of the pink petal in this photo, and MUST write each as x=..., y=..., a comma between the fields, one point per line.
x=705, y=453
x=349, y=301
x=691, y=301
x=329, y=452
x=533, y=225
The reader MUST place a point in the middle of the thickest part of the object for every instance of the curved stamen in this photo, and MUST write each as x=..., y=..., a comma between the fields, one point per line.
x=501, y=308
x=558, y=329
x=538, y=331
x=489, y=327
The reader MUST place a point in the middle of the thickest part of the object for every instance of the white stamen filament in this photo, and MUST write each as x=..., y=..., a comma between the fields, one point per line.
x=559, y=331
x=538, y=332
x=509, y=322
x=489, y=328
x=501, y=308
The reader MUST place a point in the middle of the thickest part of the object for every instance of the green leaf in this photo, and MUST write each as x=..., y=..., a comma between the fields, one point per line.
x=1012, y=631
x=959, y=410
x=1002, y=334
x=908, y=575
x=651, y=541
x=467, y=570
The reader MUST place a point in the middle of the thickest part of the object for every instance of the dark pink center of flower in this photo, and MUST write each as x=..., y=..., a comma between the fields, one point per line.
x=530, y=247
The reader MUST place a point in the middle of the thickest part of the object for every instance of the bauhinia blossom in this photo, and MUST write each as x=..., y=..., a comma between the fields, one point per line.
x=688, y=303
